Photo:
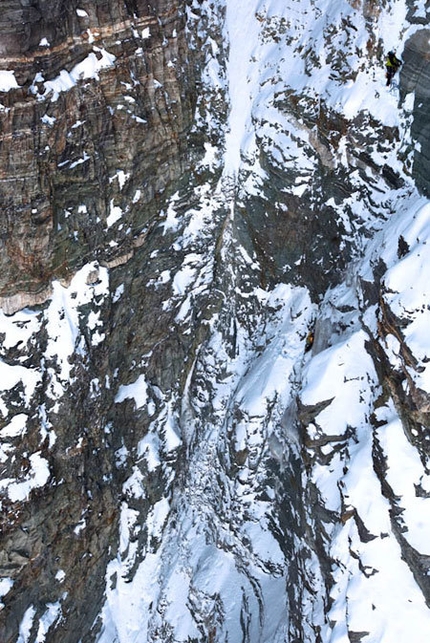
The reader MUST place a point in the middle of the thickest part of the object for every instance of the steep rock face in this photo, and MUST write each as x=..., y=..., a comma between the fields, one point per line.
x=166, y=471
x=96, y=130
x=415, y=77
x=93, y=136
x=325, y=153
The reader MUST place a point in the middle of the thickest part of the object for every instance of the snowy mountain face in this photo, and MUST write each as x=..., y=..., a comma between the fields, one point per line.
x=214, y=352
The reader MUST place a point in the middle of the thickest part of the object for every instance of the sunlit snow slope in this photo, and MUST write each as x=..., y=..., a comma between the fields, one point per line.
x=278, y=492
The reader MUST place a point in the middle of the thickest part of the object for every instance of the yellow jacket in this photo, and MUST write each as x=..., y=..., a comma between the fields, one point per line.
x=392, y=61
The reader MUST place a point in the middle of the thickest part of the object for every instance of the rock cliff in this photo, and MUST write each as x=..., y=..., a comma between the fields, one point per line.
x=414, y=79
x=202, y=346
x=97, y=127
x=94, y=132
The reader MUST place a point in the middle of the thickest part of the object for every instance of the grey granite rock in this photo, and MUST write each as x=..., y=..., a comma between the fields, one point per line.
x=415, y=77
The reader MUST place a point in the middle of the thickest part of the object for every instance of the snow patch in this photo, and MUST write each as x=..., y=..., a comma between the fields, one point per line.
x=137, y=391
x=7, y=81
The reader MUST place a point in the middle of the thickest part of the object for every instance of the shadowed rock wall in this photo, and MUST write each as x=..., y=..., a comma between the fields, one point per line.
x=85, y=170
x=415, y=77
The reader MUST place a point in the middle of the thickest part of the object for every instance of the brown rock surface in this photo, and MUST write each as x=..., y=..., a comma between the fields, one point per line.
x=82, y=174
x=66, y=157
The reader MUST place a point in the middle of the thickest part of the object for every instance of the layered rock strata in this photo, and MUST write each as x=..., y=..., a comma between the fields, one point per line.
x=94, y=139
x=96, y=104
x=93, y=131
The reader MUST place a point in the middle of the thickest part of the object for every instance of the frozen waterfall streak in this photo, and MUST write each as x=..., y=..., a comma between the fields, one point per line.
x=242, y=30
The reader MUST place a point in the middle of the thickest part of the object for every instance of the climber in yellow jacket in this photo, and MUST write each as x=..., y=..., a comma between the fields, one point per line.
x=392, y=64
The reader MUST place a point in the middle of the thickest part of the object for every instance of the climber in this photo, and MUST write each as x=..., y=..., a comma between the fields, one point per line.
x=392, y=64
x=309, y=341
